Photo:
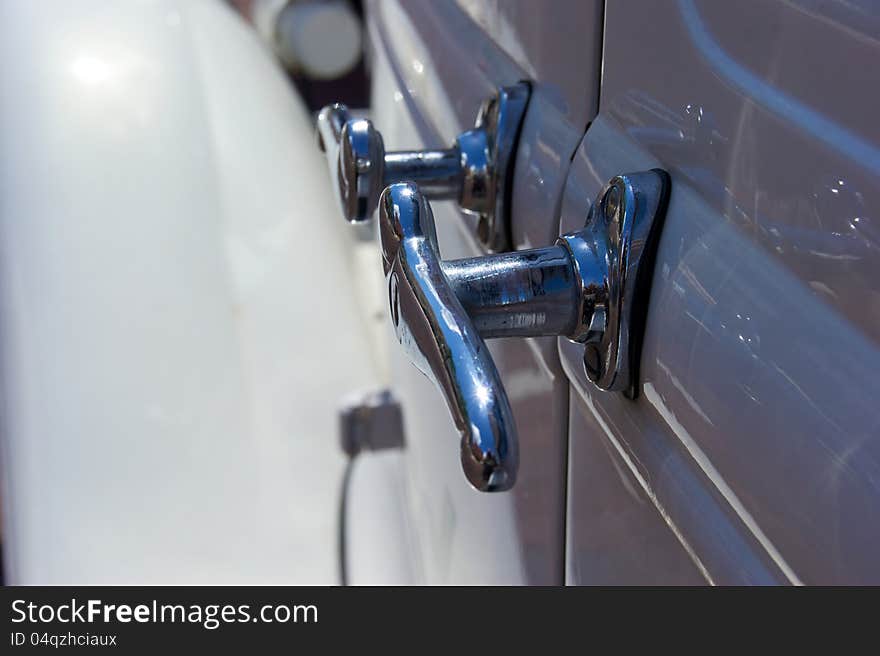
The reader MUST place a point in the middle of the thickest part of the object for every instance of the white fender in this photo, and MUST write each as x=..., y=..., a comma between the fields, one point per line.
x=379, y=544
x=176, y=319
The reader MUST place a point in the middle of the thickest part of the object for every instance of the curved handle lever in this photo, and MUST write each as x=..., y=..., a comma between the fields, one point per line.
x=592, y=287
x=436, y=331
x=475, y=171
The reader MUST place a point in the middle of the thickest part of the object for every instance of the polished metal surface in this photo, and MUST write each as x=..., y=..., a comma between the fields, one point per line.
x=614, y=260
x=475, y=171
x=354, y=159
x=592, y=287
x=487, y=164
x=519, y=294
x=436, y=331
x=437, y=172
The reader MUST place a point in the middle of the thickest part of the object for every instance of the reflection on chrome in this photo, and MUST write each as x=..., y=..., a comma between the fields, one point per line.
x=588, y=287
x=475, y=171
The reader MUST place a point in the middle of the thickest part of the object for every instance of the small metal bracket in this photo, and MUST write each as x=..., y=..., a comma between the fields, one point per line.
x=370, y=421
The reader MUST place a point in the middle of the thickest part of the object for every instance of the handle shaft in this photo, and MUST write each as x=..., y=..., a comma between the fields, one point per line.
x=529, y=293
x=437, y=172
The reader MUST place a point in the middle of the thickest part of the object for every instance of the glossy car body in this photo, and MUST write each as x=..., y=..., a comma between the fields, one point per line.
x=161, y=204
x=752, y=451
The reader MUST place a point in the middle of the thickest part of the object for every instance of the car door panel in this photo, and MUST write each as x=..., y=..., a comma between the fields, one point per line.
x=618, y=537
x=433, y=67
x=755, y=433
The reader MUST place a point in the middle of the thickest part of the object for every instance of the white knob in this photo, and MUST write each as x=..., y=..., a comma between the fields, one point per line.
x=320, y=38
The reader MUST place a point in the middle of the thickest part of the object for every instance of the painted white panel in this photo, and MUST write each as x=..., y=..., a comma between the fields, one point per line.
x=176, y=318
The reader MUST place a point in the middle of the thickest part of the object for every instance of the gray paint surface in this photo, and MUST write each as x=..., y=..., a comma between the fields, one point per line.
x=757, y=429
x=752, y=452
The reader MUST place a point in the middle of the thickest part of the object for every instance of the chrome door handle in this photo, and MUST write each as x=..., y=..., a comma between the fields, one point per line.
x=475, y=171
x=592, y=287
